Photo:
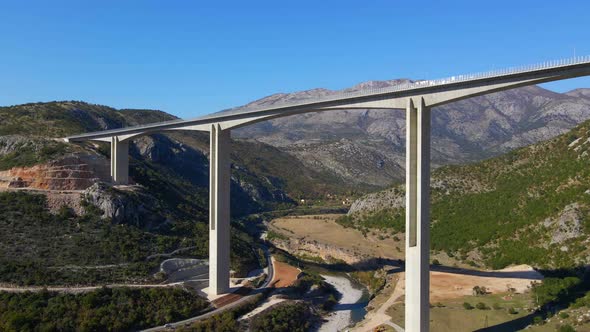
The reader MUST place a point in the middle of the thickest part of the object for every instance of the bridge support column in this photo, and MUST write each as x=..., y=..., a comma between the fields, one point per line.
x=219, y=228
x=119, y=161
x=417, y=216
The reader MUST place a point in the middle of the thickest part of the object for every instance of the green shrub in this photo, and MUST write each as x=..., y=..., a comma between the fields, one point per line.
x=330, y=302
x=272, y=235
x=372, y=279
x=538, y=320
x=554, y=289
x=104, y=309
x=284, y=317
x=467, y=306
x=566, y=328
x=482, y=306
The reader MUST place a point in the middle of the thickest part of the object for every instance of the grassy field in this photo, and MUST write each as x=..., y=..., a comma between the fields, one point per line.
x=324, y=229
x=451, y=315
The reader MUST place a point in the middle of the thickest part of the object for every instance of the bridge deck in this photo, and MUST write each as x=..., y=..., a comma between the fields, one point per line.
x=342, y=98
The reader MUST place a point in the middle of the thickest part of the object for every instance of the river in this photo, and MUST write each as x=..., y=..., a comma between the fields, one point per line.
x=351, y=308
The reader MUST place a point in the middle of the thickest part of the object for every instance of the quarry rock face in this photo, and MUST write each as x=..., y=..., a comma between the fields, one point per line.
x=50, y=164
x=73, y=172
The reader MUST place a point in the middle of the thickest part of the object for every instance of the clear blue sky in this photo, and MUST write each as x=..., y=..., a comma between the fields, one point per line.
x=195, y=57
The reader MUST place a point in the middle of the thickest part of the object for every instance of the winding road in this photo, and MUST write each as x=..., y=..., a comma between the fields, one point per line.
x=239, y=300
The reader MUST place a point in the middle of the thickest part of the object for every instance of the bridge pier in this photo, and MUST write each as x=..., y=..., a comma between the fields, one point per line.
x=219, y=214
x=119, y=161
x=417, y=216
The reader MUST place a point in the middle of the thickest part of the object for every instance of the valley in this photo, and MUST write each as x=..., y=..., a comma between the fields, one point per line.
x=503, y=223
x=294, y=166
x=448, y=283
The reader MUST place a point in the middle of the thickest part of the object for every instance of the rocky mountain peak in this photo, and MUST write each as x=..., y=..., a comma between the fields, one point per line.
x=580, y=93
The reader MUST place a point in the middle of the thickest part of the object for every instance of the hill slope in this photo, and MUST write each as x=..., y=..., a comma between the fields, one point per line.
x=529, y=206
x=57, y=202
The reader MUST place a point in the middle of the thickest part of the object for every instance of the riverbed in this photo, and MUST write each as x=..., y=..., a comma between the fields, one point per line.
x=350, y=308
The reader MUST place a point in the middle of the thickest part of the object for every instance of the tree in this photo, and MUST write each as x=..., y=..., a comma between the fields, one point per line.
x=538, y=320
x=479, y=290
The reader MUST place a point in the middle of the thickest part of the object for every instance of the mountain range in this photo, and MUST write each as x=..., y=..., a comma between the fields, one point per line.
x=366, y=147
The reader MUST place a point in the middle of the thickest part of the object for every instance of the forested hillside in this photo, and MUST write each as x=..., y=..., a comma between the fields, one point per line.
x=529, y=206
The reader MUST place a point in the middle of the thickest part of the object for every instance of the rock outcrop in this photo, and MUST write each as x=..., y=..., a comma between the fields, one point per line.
x=567, y=225
x=386, y=199
x=130, y=205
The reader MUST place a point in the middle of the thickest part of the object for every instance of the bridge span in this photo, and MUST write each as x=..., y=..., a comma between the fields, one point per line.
x=417, y=98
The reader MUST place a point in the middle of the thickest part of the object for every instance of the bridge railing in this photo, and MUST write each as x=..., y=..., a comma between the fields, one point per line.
x=390, y=89
x=437, y=82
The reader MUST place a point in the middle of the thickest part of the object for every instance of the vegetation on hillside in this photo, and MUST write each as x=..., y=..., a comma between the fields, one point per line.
x=31, y=152
x=40, y=248
x=382, y=219
x=57, y=119
x=46, y=249
x=557, y=290
x=278, y=167
x=508, y=210
x=284, y=317
x=106, y=309
x=226, y=321
x=374, y=280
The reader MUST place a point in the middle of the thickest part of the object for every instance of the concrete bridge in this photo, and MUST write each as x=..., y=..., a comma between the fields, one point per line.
x=417, y=98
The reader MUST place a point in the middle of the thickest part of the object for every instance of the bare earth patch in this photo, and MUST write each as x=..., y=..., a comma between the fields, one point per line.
x=453, y=285
x=284, y=274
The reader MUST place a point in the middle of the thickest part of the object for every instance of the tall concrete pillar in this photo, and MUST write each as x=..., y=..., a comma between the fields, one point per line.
x=119, y=161
x=417, y=216
x=219, y=229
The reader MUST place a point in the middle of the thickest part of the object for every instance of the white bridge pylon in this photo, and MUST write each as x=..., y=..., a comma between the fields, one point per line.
x=416, y=98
